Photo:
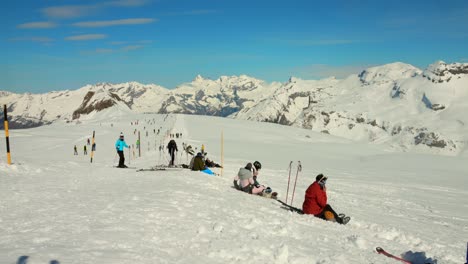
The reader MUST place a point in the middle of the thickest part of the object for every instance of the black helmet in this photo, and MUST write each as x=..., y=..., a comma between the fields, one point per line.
x=321, y=177
x=257, y=165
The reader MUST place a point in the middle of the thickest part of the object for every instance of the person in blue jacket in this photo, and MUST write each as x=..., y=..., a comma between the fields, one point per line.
x=120, y=145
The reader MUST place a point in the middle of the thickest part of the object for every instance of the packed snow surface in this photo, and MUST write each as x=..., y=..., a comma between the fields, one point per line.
x=58, y=206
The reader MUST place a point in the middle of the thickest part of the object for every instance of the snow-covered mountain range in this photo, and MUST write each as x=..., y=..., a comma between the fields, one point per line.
x=394, y=103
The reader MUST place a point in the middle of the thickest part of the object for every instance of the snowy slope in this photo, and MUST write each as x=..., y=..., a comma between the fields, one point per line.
x=57, y=206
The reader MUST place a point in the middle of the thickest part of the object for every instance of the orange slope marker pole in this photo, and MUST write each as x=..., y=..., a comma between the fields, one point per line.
x=92, y=147
x=7, y=136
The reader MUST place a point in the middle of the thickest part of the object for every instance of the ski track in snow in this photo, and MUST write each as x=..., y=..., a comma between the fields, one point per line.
x=56, y=206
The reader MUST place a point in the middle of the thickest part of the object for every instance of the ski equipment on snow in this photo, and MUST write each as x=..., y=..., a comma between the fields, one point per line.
x=344, y=219
x=290, y=208
x=125, y=167
x=385, y=253
x=289, y=178
x=299, y=168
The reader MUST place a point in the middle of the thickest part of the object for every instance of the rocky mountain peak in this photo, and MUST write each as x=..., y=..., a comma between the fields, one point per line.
x=440, y=71
x=198, y=78
x=97, y=100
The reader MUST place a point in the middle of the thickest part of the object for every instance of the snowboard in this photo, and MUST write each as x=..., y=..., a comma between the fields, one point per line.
x=385, y=253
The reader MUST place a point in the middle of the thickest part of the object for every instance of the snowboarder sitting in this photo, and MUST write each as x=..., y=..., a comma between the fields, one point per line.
x=315, y=202
x=244, y=180
x=198, y=162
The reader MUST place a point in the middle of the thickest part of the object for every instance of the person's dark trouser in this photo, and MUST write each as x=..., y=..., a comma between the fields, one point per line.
x=328, y=208
x=122, y=158
x=172, y=157
x=247, y=189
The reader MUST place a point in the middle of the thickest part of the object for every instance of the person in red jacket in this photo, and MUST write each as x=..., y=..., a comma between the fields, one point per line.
x=315, y=202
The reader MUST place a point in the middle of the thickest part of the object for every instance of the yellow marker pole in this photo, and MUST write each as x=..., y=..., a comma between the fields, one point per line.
x=92, y=148
x=7, y=136
x=222, y=152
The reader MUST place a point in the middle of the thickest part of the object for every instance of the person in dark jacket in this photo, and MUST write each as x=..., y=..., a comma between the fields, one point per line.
x=198, y=162
x=172, y=148
x=315, y=202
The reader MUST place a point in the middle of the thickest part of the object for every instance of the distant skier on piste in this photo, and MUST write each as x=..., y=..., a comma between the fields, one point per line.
x=315, y=202
x=120, y=145
x=172, y=148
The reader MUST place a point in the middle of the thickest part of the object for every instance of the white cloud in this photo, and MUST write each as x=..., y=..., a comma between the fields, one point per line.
x=130, y=42
x=192, y=12
x=72, y=11
x=127, y=3
x=108, y=23
x=75, y=11
x=86, y=37
x=118, y=42
x=36, y=25
x=33, y=39
x=132, y=47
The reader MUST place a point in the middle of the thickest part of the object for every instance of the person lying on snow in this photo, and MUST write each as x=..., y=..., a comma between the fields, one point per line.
x=244, y=180
x=315, y=202
x=211, y=164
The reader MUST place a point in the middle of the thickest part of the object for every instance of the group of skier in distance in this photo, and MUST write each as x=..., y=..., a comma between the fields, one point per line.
x=315, y=200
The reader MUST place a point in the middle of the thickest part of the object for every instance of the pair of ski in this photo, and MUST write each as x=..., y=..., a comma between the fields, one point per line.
x=299, y=169
x=160, y=168
x=285, y=204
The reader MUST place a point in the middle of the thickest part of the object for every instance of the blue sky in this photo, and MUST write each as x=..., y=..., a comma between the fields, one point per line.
x=65, y=44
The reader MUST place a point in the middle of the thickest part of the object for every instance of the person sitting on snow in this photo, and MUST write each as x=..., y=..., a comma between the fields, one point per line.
x=198, y=162
x=315, y=202
x=244, y=180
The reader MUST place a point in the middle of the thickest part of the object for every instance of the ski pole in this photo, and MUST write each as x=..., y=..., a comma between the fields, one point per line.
x=129, y=157
x=289, y=178
x=466, y=253
x=299, y=168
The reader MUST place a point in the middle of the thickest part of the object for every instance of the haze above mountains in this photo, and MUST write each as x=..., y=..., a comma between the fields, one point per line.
x=395, y=104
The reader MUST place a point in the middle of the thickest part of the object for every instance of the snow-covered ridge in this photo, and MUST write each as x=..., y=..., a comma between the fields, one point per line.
x=395, y=103
x=442, y=72
x=388, y=73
